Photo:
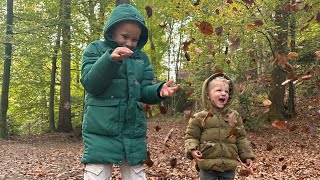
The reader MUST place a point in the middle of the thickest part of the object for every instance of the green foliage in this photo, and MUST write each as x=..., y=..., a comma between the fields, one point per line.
x=172, y=24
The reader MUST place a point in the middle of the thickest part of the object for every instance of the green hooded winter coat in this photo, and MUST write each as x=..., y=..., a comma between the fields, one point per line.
x=114, y=126
x=219, y=135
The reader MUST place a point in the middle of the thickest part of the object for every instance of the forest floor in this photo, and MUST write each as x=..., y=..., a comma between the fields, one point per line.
x=292, y=153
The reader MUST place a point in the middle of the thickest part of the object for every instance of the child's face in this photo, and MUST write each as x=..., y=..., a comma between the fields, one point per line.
x=218, y=93
x=126, y=34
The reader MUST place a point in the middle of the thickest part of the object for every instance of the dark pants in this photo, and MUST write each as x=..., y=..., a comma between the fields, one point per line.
x=213, y=175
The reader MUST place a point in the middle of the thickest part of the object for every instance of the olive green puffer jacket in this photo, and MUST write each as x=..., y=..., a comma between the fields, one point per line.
x=218, y=133
x=114, y=126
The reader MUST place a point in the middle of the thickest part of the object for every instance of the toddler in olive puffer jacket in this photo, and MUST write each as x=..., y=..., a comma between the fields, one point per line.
x=215, y=137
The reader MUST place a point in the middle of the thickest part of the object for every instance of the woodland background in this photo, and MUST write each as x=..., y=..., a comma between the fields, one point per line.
x=270, y=48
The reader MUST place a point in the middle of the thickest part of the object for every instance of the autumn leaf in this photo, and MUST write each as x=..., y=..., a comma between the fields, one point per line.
x=147, y=107
x=250, y=27
x=218, y=30
x=235, y=42
x=282, y=61
x=318, y=17
x=258, y=22
x=157, y=127
x=233, y=132
x=209, y=114
x=163, y=109
x=287, y=7
x=280, y=124
x=149, y=11
x=173, y=162
x=248, y=1
x=189, y=92
x=217, y=11
x=205, y=27
x=248, y=74
x=187, y=56
x=183, y=74
x=187, y=43
x=230, y=1
x=269, y=147
x=292, y=55
x=251, y=52
x=245, y=172
x=284, y=167
x=148, y=161
x=218, y=71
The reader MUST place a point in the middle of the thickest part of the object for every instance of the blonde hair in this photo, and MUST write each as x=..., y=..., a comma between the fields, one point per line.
x=220, y=79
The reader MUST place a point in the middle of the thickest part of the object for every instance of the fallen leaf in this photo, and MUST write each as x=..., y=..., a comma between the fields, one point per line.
x=269, y=146
x=173, y=162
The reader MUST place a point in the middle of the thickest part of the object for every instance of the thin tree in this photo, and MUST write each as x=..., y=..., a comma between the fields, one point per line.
x=279, y=74
x=52, y=126
x=6, y=75
x=64, y=124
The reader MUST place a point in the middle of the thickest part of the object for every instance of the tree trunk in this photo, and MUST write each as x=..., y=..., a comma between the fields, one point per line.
x=118, y=2
x=291, y=99
x=277, y=91
x=52, y=126
x=6, y=74
x=64, y=124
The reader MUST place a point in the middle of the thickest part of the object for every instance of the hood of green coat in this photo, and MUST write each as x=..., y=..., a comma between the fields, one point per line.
x=206, y=102
x=125, y=12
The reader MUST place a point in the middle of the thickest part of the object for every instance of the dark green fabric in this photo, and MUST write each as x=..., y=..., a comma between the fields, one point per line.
x=210, y=135
x=114, y=126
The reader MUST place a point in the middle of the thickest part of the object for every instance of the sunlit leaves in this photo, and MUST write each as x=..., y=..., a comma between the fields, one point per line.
x=205, y=27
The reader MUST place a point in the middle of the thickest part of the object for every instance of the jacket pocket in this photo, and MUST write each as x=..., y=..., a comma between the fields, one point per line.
x=102, y=117
x=140, y=125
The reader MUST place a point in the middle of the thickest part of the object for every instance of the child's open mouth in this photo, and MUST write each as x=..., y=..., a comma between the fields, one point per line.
x=222, y=100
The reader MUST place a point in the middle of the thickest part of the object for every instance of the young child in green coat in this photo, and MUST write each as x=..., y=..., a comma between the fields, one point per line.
x=118, y=79
x=215, y=137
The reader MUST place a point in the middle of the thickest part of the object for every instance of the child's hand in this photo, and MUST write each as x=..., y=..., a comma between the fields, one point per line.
x=196, y=154
x=166, y=90
x=248, y=163
x=120, y=53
